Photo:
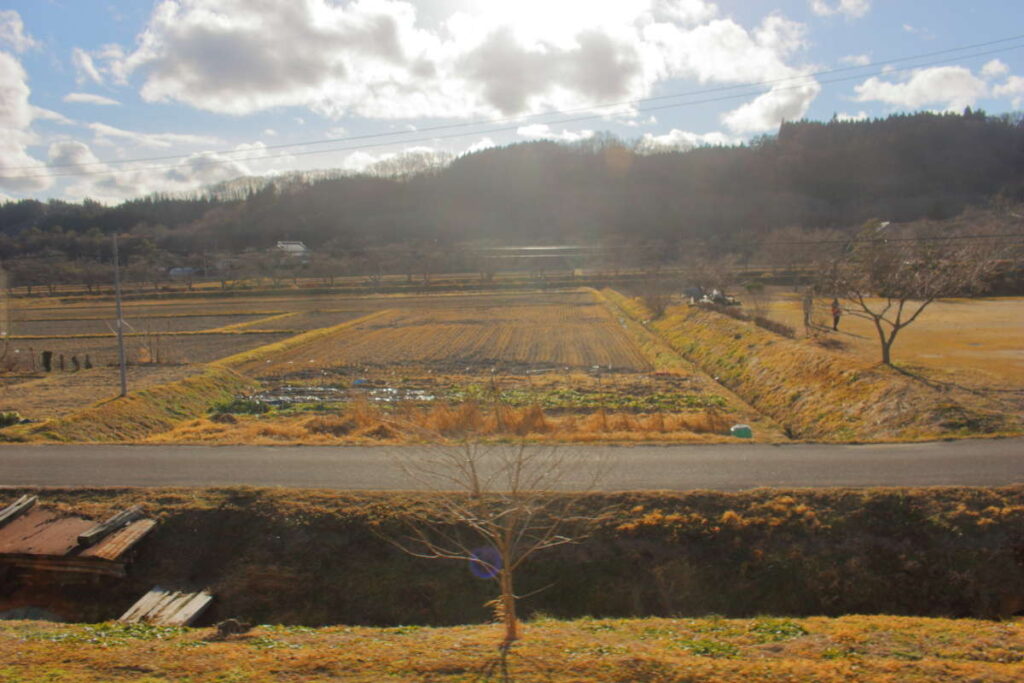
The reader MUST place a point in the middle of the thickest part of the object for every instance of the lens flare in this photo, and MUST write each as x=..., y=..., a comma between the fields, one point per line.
x=485, y=563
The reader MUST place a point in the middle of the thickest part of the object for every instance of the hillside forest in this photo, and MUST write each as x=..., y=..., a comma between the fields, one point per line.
x=640, y=207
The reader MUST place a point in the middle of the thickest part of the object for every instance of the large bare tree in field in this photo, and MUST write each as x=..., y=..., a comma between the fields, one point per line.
x=494, y=506
x=890, y=276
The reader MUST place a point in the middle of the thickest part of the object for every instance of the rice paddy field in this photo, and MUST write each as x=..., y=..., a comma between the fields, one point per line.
x=554, y=364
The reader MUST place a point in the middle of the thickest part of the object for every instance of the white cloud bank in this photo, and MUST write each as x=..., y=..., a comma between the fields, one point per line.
x=19, y=171
x=949, y=87
x=379, y=59
x=682, y=140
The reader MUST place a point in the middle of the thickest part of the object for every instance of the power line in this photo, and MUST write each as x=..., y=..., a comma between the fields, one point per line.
x=805, y=80
x=823, y=72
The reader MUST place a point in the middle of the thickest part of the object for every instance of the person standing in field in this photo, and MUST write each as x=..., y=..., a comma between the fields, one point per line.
x=808, y=306
x=836, y=312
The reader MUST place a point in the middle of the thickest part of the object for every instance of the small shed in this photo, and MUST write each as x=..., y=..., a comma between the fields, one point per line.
x=37, y=544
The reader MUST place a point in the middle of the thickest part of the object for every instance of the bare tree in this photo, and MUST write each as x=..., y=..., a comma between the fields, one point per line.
x=497, y=505
x=656, y=292
x=890, y=276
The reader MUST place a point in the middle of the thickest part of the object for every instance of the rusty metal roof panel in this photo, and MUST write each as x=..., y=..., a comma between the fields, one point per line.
x=118, y=543
x=40, y=532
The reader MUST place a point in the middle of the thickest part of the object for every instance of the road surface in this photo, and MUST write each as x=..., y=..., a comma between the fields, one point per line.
x=991, y=462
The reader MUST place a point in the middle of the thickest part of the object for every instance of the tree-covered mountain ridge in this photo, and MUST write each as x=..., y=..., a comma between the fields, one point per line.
x=810, y=175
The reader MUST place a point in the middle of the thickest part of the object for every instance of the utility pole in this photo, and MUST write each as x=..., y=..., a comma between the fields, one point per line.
x=120, y=320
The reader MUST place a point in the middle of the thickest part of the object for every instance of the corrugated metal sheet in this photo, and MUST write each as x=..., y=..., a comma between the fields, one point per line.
x=168, y=607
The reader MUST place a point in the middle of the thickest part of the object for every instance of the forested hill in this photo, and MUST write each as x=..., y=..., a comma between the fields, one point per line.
x=812, y=175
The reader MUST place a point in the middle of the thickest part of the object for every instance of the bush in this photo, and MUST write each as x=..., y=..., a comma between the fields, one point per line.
x=332, y=425
x=8, y=418
x=242, y=406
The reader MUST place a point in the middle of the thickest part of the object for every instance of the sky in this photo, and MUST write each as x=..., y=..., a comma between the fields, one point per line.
x=114, y=99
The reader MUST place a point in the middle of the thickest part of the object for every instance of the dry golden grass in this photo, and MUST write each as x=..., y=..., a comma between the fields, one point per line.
x=141, y=412
x=815, y=392
x=853, y=648
x=61, y=394
x=363, y=423
x=973, y=335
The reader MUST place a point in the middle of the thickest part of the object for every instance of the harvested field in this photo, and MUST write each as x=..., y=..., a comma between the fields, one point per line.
x=471, y=336
x=306, y=320
x=273, y=305
x=68, y=327
x=189, y=348
x=560, y=364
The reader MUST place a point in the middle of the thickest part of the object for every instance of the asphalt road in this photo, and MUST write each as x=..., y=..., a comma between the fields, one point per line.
x=721, y=467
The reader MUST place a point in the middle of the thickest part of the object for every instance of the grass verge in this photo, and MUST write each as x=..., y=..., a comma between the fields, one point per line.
x=854, y=648
x=140, y=413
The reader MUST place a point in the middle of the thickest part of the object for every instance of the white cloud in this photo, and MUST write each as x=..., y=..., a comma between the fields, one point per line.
x=18, y=170
x=723, y=51
x=85, y=68
x=270, y=132
x=12, y=32
x=541, y=131
x=50, y=115
x=108, y=183
x=859, y=116
x=107, y=135
x=850, y=8
x=951, y=87
x=378, y=58
x=89, y=98
x=1013, y=87
x=683, y=140
x=687, y=12
x=481, y=144
x=408, y=161
x=856, y=60
x=994, y=69
x=767, y=111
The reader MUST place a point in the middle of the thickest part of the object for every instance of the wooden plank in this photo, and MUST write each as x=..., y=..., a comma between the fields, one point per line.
x=100, y=531
x=117, y=544
x=191, y=610
x=16, y=508
x=164, y=607
x=65, y=565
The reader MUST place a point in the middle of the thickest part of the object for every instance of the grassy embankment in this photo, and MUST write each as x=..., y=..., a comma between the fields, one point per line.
x=854, y=648
x=318, y=557
x=814, y=392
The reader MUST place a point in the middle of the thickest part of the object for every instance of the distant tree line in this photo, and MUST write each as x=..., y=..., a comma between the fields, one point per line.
x=644, y=207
